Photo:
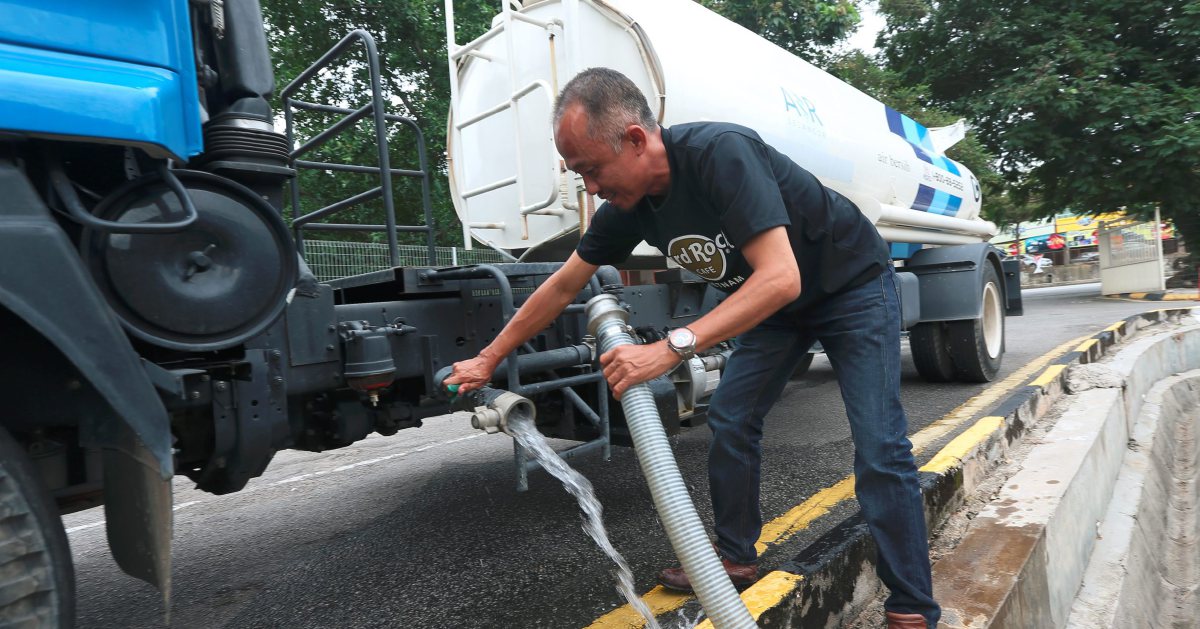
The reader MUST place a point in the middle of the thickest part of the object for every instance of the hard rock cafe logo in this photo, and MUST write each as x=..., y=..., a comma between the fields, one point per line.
x=701, y=255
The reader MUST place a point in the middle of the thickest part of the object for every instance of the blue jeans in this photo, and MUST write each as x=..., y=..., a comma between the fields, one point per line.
x=859, y=330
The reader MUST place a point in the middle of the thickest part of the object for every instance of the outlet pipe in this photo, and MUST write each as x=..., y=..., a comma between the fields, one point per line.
x=607, y=321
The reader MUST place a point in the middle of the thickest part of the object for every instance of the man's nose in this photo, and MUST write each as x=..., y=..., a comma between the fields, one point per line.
x=590, y=185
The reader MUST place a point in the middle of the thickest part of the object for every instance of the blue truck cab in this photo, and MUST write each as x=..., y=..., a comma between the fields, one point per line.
x=114, y=72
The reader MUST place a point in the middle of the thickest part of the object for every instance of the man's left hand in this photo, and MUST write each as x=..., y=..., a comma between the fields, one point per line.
x=629, y=365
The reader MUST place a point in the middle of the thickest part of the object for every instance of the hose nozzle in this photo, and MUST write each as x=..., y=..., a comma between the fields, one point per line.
x=498, y=408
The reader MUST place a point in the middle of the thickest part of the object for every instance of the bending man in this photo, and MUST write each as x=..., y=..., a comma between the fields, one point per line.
x=800, y=263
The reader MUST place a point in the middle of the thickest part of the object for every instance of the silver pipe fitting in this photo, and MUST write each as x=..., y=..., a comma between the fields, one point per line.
x=495, y=415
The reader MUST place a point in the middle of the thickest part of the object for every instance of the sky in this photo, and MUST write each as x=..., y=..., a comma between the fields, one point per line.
x=872, y=23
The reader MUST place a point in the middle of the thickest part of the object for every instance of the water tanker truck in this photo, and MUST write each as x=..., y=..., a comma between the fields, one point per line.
x=157, y=316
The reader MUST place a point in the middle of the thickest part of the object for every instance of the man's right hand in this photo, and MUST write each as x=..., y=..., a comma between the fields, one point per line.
x=471, y=374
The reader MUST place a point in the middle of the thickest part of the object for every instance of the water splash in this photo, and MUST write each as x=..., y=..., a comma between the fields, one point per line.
x=686, y=622
x=523, y=430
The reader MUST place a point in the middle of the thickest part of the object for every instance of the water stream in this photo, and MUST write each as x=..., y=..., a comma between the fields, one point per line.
x=524, y=431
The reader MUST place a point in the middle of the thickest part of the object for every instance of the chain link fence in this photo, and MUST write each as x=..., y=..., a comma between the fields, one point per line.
x=332, y=259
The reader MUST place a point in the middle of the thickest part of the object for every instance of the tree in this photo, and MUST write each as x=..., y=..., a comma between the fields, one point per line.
x=806, y=28
x=411, y=39
x=1089, y=105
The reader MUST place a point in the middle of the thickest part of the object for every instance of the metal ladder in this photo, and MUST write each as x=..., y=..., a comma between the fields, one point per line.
x=548, y=88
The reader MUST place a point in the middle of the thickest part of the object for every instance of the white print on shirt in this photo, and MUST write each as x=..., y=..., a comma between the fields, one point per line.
x=701, y=255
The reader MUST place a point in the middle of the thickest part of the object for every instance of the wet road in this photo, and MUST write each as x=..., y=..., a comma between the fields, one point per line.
x=425, y=528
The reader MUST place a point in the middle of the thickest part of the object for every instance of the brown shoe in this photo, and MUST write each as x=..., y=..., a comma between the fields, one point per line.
x=905, y=621
x=743, y=576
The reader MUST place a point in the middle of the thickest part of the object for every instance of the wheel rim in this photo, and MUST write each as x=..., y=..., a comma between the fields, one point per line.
x=993, y=320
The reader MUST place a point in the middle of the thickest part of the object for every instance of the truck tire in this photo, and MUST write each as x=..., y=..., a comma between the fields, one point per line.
x=930, y=352
x=37, y=581
x=802, y=366
x=977, y=345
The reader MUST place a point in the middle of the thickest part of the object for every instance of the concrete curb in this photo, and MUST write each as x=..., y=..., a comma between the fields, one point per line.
x=1159, y=295
x=1143, y=567
x=1036, y=536
x=837, y=570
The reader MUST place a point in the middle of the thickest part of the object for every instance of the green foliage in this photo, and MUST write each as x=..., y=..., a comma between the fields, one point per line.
x=804, y=27
x=1091, y=105
x=411, y=39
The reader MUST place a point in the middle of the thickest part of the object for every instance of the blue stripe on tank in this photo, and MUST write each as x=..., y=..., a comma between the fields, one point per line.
x=924, y=198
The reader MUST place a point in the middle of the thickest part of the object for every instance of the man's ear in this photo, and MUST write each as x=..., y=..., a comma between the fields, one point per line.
x=637, y=137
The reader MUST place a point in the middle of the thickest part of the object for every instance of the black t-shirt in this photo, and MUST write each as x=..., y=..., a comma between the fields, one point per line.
x=727, y=186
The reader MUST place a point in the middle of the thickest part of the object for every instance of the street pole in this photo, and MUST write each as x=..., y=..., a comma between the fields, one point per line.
x=1162, y=282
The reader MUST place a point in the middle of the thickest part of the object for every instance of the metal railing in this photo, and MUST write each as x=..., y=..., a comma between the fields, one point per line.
x=350, y=117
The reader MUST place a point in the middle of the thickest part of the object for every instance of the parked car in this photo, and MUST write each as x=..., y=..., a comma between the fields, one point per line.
x=1032, y=263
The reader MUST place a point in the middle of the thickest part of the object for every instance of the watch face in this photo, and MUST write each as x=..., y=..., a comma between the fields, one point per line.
x=681, y=337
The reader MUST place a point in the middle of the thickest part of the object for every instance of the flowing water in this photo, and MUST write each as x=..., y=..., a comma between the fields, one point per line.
x=524, y=431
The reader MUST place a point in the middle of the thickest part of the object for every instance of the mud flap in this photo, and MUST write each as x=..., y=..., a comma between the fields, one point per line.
x=137, y=510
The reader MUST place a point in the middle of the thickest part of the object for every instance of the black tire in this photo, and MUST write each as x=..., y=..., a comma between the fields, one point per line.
x=37, y=581
x=977, y=345
x=802, y=366
x=930, y=352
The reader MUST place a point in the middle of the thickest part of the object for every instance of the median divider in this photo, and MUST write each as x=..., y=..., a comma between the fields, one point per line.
x=833, y=579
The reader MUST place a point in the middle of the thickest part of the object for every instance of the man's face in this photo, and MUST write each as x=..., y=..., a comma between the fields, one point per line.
x=618, y=178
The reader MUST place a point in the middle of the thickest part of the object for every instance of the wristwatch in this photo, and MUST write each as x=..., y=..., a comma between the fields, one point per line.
x=682, y=341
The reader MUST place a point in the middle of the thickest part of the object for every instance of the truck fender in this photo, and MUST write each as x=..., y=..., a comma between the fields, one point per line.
x=951, y=281
x=43, y=282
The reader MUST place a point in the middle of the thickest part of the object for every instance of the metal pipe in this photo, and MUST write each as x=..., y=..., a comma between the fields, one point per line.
x=536, y=362
x=581, y=406
x=926, y=237
x=904, y=217
x=362, y=197
x=569, y=381
x=354, y=168
x=334, y=129
x=607, y=321
x=507, y=305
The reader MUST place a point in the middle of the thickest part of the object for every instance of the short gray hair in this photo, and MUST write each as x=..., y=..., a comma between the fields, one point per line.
x=611, y=102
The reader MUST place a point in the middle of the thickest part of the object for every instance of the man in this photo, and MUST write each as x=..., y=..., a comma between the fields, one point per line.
x=800, y=263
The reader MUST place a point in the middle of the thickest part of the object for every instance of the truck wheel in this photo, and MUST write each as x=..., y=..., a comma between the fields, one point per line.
x=977, y=345
x=930, y=352
x=37, y=581
x=802, y=366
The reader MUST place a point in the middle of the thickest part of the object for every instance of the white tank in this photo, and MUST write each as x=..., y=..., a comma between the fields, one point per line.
x=507, y=180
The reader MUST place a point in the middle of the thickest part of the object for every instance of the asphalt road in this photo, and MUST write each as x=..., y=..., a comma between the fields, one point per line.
x=425, y=528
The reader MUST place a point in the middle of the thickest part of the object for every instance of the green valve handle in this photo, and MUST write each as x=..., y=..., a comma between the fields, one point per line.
x=453, y=389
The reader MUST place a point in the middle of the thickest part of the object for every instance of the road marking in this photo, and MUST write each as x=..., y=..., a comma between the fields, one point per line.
x=93, y=525
x=396, y=455
x=768, y=592
x=1048, y=376
x=955, y=451
x=301, y=477
x=987, y=398
x=801, y=516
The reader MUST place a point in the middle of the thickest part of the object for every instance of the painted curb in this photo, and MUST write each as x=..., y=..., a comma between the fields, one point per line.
x=1158, y=295
x=836, y=571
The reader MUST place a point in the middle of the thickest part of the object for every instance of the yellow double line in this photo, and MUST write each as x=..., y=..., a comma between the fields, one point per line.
x=774, y=586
